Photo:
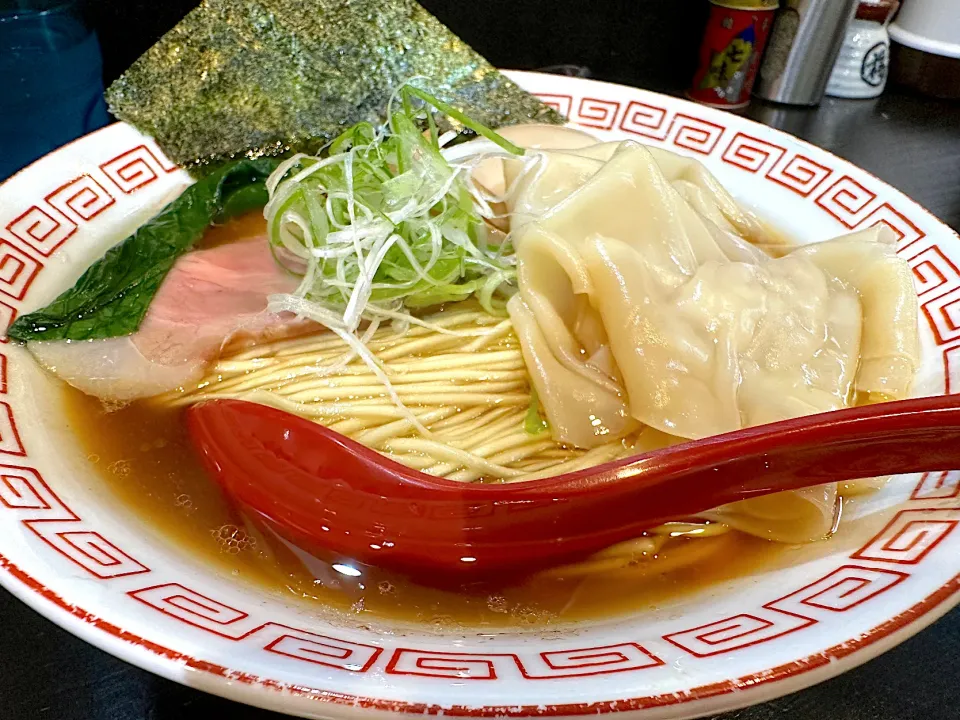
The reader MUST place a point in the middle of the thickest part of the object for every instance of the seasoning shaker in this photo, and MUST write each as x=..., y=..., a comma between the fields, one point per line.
x=862, y=65
x=804, y=43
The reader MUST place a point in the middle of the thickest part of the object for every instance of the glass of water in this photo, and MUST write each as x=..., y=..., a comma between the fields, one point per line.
x=51, y=85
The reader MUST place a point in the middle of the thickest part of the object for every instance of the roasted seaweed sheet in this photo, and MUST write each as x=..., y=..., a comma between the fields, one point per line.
x=264, y=77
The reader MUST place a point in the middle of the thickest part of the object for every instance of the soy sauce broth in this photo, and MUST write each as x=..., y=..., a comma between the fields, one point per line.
x=144, y=457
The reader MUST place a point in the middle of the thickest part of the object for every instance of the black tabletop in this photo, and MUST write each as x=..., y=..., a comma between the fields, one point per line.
x=911, y=142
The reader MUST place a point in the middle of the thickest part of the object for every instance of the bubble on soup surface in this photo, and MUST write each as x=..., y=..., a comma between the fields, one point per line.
x=527, y=615
x=233, y=540
x=498, y=604
x=121, y=468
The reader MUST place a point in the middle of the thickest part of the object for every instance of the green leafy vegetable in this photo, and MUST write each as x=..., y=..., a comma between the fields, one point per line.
x=112, y=296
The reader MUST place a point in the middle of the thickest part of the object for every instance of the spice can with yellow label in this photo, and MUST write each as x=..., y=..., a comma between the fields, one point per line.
x=730, y=54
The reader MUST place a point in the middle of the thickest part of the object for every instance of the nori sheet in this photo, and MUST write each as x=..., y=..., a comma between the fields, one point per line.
x=266, y=77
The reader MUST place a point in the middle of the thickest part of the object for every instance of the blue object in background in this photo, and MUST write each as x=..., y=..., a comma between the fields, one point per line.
x=51, y=87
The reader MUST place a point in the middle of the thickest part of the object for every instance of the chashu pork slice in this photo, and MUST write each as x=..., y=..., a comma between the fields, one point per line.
x=209, y=297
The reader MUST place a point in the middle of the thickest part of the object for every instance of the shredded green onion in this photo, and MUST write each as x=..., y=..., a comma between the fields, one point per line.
x=381, y=219
x=534, y=422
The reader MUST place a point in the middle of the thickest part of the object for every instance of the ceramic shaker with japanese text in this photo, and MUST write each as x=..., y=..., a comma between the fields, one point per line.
x=860, y=70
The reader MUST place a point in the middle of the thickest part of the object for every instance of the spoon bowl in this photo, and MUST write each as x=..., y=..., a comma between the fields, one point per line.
x=325, y=491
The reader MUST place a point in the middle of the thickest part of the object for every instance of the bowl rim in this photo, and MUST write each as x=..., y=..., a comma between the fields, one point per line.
x=168, y=663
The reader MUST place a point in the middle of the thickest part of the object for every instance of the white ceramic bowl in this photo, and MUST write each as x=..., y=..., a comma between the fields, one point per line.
x=931, y=26
x=77, y=556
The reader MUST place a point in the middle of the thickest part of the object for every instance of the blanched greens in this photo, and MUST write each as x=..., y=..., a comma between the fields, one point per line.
x=111, y=298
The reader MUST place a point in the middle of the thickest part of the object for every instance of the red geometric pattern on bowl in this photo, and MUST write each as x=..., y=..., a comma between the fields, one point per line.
x=912, y=537
x=934, y=273
x=942, y=485
x=17, y=270
x=943, y=314
x=646, y=120
x=42, y=228
x=792, y=170
x=133, y=169
x=45, y=226
x=848, y=201
x=907, y=233
x=683, y=131
x=188, y=606
x=82, y=197
x=600, y=114
x=8, y=314
x=752, y=154
x=10, y=443
x=554, y=665
x=695, y=134
x=27, y=498
x=843, y=589
x=799, y=173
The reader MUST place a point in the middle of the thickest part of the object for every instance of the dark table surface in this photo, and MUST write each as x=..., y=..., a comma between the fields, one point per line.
x=911, y=142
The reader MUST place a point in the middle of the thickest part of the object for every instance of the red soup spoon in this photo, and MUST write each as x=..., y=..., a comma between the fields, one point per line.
x=324, y=491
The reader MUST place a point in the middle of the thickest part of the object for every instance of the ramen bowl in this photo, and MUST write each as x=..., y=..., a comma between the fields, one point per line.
x=95, y=566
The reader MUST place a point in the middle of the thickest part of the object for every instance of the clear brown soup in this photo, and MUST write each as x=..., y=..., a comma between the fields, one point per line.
x=145, y=458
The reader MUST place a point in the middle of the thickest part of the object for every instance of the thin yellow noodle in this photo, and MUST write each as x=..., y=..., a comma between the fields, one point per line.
x=500, y=359
x=351, y=427
x=507, y=458
x=504, y=427
x=615, y=557
x=502, y=331
x=469, y=425
x=595, y=456
x=471, y=390
x=315, y=393
x=449, y=470
x=442, y=450
x=466, y=416
x=374, y=436
x=502, y=443
x=413, y=460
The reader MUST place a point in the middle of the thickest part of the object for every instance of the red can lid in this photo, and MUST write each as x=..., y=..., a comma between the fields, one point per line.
x=877, y=10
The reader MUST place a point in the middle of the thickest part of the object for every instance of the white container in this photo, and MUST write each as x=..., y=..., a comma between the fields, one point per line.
x=932, y=26
x=863, y=63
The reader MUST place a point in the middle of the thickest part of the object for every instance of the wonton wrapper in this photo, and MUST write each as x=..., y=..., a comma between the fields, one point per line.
x=643, y=296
